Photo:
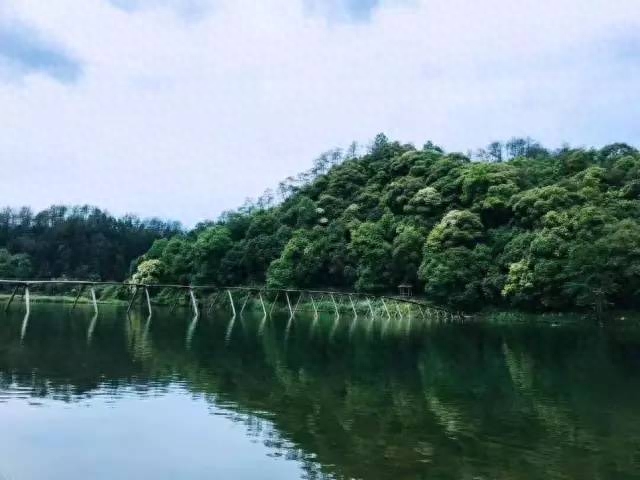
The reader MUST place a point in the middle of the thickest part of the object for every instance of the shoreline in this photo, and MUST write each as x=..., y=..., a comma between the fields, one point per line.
x=495, y=316
x=61, y=299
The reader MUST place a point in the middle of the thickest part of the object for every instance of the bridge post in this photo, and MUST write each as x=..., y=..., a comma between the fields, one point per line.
x=13, y=295
x=353, y=307
x=233, y=307
x=370, y=308
x=274, y=303
x=213, y=302
x=194, y=303
x=27, y=300
x=295, y=309
x=135, y=294
x=315, y=308
x=264, y=310
x=335, y=306
x=95, y=301
x=75, y=302
x=286, y=294
x=244, y=304
x=386, y=308
x=146, y=293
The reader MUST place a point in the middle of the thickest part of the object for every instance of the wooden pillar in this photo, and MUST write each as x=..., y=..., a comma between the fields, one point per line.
x=370, y=308
x=213, y=302
x=194, y=303
x=286, y=294
x=353, y=307
x=13, y=295
x=264, y=309
x=27, y=302
x=274, y=303
x=135, y=294
x=295, y=309
x=146, y=293
x=386, y=308
x=335, y=306
x=75, y=302
x=95, y=301
x=244, y=304
x=233, y=307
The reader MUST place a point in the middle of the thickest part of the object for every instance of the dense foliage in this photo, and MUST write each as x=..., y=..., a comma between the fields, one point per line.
x=518, y=226
x=78, y=242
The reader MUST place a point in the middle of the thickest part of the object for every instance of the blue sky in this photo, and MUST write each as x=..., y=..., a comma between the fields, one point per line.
x=24, y=52
x=183, y=108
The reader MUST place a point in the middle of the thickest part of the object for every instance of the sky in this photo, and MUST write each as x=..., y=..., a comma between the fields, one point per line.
x=183, y=108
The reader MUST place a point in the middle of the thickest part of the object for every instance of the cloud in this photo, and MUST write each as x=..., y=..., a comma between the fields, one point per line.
x=343, y=9
x=347, y=10
x=186, y=119
x=23, y=51
x=188, y=9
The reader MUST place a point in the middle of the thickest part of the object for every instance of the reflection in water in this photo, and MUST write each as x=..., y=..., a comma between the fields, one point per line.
x=227, y=336
x=92, y=327
x=25, y=324
x=317, y=397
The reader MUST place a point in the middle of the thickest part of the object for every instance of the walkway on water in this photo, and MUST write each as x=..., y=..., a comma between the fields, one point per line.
x=213, y=295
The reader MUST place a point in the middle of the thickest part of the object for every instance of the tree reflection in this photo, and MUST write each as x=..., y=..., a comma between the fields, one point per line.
x=414, y=401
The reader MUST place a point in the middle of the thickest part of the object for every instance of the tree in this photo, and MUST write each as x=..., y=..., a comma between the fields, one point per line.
x=149, y=272
x=427, y=202
x=407, y=254
x=372, y=251
x=209, y=249
x=455, y=263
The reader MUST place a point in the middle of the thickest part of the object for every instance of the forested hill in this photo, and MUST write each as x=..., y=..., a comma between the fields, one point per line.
x=517, y=226
x=74, y=242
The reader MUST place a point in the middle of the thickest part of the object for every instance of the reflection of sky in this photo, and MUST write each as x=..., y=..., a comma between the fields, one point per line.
x=157, y=437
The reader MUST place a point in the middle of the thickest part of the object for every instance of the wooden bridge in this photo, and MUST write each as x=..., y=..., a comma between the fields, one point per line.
x=204, y=298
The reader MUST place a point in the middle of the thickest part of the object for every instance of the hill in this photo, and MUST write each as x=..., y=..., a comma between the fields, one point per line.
x=520, y=226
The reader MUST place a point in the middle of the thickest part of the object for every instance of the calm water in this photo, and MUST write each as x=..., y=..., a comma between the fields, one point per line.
x=171, y=399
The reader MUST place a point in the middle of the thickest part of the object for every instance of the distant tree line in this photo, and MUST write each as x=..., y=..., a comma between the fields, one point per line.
x=74, y=242
x=513, y=225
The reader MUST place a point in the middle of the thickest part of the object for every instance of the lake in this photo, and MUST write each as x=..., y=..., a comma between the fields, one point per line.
x=169, y=398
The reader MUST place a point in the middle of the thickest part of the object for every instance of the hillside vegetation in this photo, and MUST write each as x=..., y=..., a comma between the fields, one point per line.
x=74, y=242
x=519, y=226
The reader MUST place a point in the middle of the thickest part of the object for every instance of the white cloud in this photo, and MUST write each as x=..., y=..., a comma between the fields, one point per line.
x=186, y=118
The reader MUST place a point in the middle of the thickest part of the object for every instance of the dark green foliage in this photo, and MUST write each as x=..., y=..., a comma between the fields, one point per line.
x=522, y=227
x=75, y=242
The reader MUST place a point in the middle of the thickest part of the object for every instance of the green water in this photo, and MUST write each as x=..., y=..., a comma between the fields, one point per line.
x=174, y=399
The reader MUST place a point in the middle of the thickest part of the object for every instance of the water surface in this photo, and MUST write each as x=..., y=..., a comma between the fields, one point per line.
x=167, y=398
